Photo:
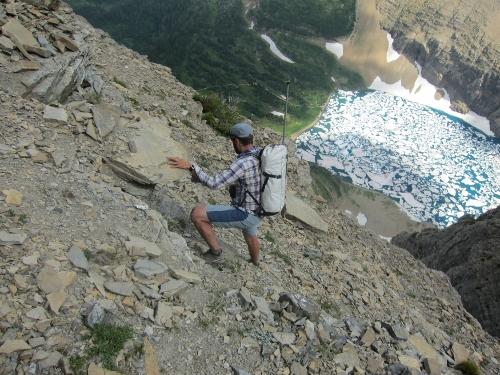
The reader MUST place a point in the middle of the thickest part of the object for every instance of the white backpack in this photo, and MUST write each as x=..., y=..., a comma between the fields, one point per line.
x=273, y=168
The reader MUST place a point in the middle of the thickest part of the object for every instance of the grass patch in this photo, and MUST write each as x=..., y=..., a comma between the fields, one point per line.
x=22, y=219
x=468, y=368
x=331, y=308
x=218, y=114
x=106, y=342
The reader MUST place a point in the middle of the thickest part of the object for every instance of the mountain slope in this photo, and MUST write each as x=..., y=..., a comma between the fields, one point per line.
x=468, y=252
x=94, y=232
x=208, y=45
x=457, y=44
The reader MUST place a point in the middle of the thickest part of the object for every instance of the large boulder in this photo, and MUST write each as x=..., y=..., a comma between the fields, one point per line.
x=58, y=78
x=146, y=163
x=299, y=210
x=468, y=252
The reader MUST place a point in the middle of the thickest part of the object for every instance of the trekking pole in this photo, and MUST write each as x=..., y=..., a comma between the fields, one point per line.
x=286, y=112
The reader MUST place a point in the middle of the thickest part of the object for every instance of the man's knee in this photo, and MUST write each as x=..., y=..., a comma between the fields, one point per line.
x=198, y=214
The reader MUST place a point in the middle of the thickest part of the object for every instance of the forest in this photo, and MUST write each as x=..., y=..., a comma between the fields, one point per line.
x=209, y=45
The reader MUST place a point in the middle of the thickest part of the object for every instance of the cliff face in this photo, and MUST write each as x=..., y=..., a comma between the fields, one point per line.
x=468, y=252
x=94, y=229
x=457, y=44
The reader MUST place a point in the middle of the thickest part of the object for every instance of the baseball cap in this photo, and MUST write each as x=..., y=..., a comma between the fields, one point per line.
x=241, y=130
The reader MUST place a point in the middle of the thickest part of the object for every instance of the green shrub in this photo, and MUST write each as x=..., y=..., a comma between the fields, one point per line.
x=218, y=114
x=468, y=368
x=107, y=341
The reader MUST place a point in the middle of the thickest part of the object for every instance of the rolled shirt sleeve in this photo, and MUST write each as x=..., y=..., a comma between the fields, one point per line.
x=228, y=176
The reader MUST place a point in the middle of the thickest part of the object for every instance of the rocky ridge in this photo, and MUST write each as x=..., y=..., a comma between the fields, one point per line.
x=468, y=252
x=457, y=45
x=94, y=228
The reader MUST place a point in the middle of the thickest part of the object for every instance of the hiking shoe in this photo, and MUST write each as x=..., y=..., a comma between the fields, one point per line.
x=213, y=257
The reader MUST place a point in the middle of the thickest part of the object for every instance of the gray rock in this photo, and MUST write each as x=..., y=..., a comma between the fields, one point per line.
x=399, y=369
x=53, y=114
x=284, y=338
x=149, y=268
x=15, y=30
x=312, y=253
x=122, y=288
x=246, y=298
x=12, y=238
x=78, y=258
x=239, y=371
x=149, y=293
x=263, y=308
x=397, y=331
x=299, y=210
x=6, y=44
x=297, y=369
x=173, y=288
x=137, y=246
x=106, y=118
x=52, y=360
x=36, y=342
x=55, y=82
x=302, y=306
x=468, y=253
x=355, y=328
x=190, y=277
x=95, y=316
x=170, y=208
x=347, y=359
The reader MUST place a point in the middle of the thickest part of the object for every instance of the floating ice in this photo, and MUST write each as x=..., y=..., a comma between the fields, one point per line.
x=275, y=49
x=435, y=166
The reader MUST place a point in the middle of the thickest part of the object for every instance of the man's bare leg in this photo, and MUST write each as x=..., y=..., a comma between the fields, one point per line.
x=202, y=224
x=253, y=244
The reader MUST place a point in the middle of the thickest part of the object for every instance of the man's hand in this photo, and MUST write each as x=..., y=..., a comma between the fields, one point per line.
x=179, y=163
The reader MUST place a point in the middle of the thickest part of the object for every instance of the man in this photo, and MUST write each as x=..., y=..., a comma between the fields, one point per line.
x=244, y=178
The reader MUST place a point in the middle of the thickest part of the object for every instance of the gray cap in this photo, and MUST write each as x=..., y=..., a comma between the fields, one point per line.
x=241, y=130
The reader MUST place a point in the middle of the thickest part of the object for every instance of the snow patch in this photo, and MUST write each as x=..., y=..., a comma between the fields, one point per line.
x=336, y=48
x=275, y=50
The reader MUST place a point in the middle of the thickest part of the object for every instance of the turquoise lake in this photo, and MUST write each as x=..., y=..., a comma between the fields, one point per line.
x=435, y=166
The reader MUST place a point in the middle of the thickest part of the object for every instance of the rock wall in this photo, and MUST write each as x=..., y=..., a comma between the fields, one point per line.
x=468, y=252
x=457, y=44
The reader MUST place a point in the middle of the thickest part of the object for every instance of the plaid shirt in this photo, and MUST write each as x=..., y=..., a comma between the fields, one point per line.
x=244, y=173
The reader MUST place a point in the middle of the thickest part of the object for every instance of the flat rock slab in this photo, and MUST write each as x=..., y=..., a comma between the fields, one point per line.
x=137, y=246
x=93, y=369
x=12, y=238
x=347, y=359
x=15, y=30
x=26, y=65
x=13, y=197
x=153, y=144
x=173, y=288
x=77, y=258
x=299, y=210
x=150, y=359
x=284, y=338
x=54, y=114
x=186, y=276
x=11, y=346
x=423, y=347
x=149, y=268
x=122, y=288
x=6, y=44
x=106, y=118
x=302, y=306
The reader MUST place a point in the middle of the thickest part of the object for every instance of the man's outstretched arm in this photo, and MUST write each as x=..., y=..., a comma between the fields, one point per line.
x=221, y=179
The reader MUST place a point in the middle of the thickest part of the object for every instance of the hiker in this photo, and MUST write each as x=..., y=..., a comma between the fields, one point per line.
x=244, y=178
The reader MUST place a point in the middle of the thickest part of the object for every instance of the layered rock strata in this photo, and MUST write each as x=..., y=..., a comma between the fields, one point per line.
x=457, y=45
x=468, y=252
